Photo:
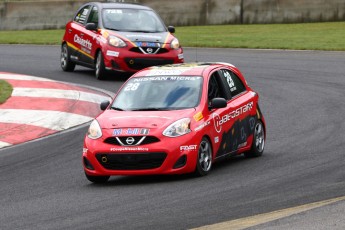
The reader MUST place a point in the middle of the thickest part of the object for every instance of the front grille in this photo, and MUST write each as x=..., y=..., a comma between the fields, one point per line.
x=141, y=63
x=138, y=140
x=148, y=51
x=131, y=161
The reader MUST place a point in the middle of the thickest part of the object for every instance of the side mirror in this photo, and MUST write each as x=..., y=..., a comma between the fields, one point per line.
x=171, y=29
x=91, y=26
x=104, y=105
x=217, y=103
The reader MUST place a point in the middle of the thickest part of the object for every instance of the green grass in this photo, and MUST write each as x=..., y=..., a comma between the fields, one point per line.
x=5, y=91
x=303, y=36
x=38, y=37
x=306, y=36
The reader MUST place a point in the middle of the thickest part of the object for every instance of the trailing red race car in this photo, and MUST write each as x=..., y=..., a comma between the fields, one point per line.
x=175, y=119
x=118, y=36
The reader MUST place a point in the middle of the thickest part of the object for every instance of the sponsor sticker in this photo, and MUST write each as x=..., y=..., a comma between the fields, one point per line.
x=144, y=131
x=147, y=44
x=188, y=148
x=216, y=119
x=219, y=121
x=115, y=11
x=83, y=42
x=203, y=125
x=242, y=145
x=112, y=53
x=198, y=116
x=164, y=78
x=143, y=36
x=122, y=149
x=160, y=72
x=131, y=131
x=117, y=132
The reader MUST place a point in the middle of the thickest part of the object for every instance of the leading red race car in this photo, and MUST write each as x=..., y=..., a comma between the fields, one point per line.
x=175, y=119
x=118, y=36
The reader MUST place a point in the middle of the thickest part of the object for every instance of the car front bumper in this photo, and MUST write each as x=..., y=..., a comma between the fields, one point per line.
x=170, y=156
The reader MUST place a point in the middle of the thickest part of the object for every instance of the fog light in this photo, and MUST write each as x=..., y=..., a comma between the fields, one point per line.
x=115, y=65
x=87, y=164
x=180, y=162
x=104, y=159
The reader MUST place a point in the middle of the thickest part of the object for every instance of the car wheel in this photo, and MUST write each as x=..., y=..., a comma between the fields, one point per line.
x=100, y=71
x=66, y=63
x=97, y=179
x=258, y=144
x=204, y=160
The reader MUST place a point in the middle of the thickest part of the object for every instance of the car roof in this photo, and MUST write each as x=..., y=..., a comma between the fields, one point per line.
x=193, y=69
x=105, y=5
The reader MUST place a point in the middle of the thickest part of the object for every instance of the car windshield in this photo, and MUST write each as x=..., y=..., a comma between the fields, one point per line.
x=132, y=20
x=155, y=93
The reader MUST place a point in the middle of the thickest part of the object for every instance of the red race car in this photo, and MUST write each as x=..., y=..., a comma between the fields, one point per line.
x=118, y=36
x=175, y=119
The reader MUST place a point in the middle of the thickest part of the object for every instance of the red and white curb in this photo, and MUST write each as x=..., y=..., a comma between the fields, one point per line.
x=39, y=107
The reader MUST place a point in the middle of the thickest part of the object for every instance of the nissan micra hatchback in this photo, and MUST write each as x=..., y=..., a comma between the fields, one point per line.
x=175, y=119
x=118, y=36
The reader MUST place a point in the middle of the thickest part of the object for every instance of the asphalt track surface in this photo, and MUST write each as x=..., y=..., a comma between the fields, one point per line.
x=42, y=185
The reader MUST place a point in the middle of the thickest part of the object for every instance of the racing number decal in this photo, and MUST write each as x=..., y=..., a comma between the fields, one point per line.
x=229, y=80
x=132, y=86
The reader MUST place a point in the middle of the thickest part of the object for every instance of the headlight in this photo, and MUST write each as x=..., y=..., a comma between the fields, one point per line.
x=94, y=131
x=175, y=44
x=117, y=42
x=178, y=128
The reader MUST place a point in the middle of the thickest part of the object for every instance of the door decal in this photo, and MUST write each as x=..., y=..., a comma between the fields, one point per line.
x=236, y=137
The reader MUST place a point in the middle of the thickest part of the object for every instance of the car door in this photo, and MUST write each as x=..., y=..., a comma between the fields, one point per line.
x=239, y=122
x=76, y=34
x=90, y=38
x=218, y=116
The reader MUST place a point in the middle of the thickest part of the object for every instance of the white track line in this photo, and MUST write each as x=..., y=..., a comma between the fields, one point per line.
x=54, y=120
x=59, y=93
x=4, y=144
x=22, y=77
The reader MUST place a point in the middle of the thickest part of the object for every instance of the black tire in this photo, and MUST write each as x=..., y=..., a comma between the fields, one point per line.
x=65, y=60
x=97, y=179
x=100, y=71
x=258, y=144
x=204, y=158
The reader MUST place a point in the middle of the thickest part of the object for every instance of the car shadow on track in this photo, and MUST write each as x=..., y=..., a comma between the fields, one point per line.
x=110, y=75
x=224, y=165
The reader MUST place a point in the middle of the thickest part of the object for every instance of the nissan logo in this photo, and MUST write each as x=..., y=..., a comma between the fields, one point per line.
x=130, y=140
x=149, y=50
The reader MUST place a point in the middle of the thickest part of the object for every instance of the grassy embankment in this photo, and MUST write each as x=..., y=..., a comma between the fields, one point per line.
x=303, y=36
x=5, y=91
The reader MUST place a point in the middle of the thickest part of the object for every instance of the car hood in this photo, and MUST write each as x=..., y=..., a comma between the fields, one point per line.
x=112, y=119
x=144, y=37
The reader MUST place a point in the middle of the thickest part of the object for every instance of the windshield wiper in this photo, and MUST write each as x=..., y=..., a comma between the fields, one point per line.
x=117, y=108
x=108, y=28
x=141, y=31
x=150, y=109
